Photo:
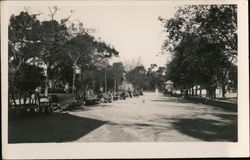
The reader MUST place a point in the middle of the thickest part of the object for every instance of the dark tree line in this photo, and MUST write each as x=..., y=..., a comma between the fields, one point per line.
x=149, y=79
x=48, y=53
x=202, y=40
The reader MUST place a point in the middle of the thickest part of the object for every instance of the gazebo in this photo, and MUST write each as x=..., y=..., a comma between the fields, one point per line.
x=169, y=85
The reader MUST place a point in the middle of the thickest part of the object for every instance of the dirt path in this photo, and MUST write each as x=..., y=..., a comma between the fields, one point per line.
x=154, y=118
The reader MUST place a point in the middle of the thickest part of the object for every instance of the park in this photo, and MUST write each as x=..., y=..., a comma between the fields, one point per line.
x=64, y=84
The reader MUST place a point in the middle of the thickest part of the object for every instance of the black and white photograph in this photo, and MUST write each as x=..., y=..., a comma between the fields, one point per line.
x=131, y=73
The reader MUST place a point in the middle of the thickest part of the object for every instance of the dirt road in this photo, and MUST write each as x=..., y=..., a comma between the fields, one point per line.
x=155, y=118
x=148, y=118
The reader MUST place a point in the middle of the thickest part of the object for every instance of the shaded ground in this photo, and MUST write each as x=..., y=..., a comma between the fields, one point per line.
x=207, y=130
x=59, y=127
x=149, y=118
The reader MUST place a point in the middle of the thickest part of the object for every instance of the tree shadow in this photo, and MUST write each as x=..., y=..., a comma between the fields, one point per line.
x=57, y=127
x=142, y=126
x=207, y=129
x=132, y=124
x=172, y=99
x=230, y=117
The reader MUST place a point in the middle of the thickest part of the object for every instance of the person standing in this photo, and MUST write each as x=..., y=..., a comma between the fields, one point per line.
x=38, y=91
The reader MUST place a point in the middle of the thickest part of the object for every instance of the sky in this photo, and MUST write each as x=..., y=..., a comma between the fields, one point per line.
x=134, y=30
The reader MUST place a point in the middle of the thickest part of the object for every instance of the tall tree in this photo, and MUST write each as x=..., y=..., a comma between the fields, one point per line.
x=118, y=74
x=85, y=51
x=137, y=76
x=53, y=36
x=79, y=49
x=22, y=43
x=215, y=23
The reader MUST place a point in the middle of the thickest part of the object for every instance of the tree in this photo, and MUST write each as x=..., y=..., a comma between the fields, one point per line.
x=118, y=74
x=60, y=73
x=196, y=62
x=38, y=42
x=155, y=77
x=85, y=51
x=137, y=76
x=22, y=44
x=233, y=77
x=28, y=78
x=131, y=64
x=53, y=36
x=218, y=23
x=79, y=49
x=213, y=25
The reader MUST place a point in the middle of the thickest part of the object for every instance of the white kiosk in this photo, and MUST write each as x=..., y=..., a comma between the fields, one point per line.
x=169, y=86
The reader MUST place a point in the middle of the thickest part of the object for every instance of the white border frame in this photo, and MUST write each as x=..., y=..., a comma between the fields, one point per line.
x=131, y=149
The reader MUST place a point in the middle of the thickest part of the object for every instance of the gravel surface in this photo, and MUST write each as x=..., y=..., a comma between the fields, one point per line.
x=156, y=118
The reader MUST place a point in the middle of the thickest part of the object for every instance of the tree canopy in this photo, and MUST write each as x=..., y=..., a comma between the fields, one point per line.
x=52, y=48
x=202, y=40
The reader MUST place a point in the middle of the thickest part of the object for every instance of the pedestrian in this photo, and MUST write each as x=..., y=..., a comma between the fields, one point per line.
x=37, y=94
x=66, y=87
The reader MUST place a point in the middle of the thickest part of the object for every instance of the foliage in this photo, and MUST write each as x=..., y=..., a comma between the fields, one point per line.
x=85, y=51
x=22, y=42
x=57, y=47
x=137, y=76
x=155, y=77
x=118, y=74
x=203, y=43
x=29, y=77
x=217, y=23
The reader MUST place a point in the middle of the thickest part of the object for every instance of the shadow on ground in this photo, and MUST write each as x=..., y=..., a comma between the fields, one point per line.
x=209, y=130
x=57, y=127
x=171, y=99
x=152, y=126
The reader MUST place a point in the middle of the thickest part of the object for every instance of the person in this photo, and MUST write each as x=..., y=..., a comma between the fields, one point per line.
x=66, y=87
x=37, y=94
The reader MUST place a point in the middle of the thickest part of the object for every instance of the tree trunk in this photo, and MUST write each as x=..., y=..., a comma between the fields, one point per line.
x=214, y=92
x=224, y=81
x=105, y=82
x=84, y=92
x=207, y=92
x=115, y=84
x=14, y=88
x=46, y=81
x=14, y=81
x=30, y=98
x=210, y=92
x=200, y=91
x=24, y=99
x=73, y=81
x=223, y=90
x=74, y=78
x=19, y=98
x=189, y=91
